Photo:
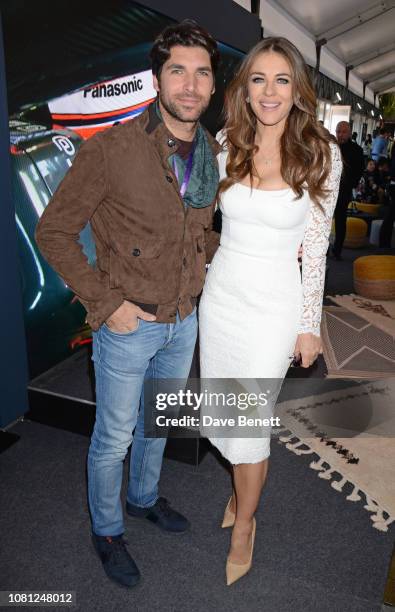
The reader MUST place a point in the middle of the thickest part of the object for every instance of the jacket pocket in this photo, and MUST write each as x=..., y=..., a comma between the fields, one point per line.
x=140, y=268
x=128, y=333
x=140, y=248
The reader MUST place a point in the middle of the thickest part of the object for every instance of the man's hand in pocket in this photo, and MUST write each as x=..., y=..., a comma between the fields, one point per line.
x=124, y=319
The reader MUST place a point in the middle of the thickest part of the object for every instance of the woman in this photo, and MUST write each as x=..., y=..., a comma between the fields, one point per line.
x=367, y=148
x=367, y=188
x=280, y=179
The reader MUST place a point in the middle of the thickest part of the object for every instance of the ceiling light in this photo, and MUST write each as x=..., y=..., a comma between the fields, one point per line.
x=359, y=106
x=372, y=113
x=381, y=116
x=338, y=96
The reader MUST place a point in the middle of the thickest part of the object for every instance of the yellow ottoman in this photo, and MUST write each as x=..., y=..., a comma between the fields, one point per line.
x=356, y=233
x=374, y=277
x=371, y=209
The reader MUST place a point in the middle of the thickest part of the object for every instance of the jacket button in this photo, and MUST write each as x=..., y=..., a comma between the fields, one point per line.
x=136, y=252
x=171, y=142
x=169, y=179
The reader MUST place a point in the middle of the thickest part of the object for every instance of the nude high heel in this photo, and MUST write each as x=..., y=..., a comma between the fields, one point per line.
x=234, y=571
x=229, y=516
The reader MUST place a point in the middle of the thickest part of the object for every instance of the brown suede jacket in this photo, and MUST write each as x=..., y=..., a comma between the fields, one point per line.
x=150, y=250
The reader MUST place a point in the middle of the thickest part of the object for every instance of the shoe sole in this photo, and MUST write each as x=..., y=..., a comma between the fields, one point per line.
x=123, y=586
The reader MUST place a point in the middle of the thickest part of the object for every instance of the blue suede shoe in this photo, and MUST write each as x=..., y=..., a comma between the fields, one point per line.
x=162, y=515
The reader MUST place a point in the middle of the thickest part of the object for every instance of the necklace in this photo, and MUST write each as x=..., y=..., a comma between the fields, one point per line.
x=267, y=161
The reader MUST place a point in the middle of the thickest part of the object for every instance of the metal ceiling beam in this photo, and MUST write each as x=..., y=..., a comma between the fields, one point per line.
x=256, y=7
x=318, y=46
x=364, y=89
x=384, y=7
x=348, y=69
x=378, y=77
x=255, y=10
x=371, y=56
x=389, y=90
x=385, y=87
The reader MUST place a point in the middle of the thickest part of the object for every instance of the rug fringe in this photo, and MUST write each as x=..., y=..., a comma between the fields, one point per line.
x=298, y=451
x=317, y=465
x=354, y=495
x=378, y=517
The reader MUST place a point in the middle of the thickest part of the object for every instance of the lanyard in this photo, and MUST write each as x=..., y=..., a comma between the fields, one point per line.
x=188, y=171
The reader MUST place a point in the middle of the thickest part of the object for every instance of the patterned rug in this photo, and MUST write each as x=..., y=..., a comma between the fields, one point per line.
x=352, y=431
x=380, y=313
x=354, y=347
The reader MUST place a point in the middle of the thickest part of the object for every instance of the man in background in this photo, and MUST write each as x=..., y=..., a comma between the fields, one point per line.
x=389, y=214
x=352, y=171
x=380, y=145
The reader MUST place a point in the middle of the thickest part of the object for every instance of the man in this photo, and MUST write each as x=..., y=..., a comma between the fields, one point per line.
x=352, y=172
x=148, y=188
x=383, y=180
x=389, y=214
x=380, y=145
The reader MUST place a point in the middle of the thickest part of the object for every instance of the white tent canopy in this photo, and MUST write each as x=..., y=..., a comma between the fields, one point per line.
x=361, y=33
x=358, y=35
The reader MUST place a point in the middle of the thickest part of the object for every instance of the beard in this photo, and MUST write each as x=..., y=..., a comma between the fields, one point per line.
x=176, y=110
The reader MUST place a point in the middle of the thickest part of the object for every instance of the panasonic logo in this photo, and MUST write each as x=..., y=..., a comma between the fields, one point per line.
x=107, y=90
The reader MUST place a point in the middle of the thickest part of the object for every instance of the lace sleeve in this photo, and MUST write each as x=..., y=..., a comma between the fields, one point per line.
x=315, y=245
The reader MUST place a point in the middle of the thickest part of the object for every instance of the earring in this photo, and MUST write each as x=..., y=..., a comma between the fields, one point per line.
x=248, y=99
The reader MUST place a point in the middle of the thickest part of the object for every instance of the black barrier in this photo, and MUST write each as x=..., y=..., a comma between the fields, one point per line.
x=239, y=29
x=13, y=362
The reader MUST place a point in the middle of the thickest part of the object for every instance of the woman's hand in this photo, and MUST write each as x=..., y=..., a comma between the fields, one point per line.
x=300, y=252
x=308, y=347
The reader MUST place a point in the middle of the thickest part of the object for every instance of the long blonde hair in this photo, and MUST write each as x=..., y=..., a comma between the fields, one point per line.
x=304, y=145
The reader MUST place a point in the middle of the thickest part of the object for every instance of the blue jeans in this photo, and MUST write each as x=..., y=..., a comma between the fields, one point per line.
x=122, y=362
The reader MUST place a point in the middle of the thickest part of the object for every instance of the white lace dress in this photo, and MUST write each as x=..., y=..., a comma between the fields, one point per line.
x=254, y=301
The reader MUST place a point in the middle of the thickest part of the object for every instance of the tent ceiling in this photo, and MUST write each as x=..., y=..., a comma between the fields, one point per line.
x=360, y=33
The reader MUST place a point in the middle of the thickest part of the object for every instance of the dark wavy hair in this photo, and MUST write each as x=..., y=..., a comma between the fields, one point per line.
x=187, y=34
x=304, y=146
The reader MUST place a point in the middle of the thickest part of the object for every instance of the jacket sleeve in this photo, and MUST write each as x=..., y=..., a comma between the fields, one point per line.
x=213, y=233
x=359, y=166
x=212, y=239
x=315, y=245
x=57, y=233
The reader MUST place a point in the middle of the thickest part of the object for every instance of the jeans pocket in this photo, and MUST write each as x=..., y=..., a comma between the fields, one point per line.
x=114, y=333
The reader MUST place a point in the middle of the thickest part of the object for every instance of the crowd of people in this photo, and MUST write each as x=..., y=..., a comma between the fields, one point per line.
x=377, y=147
x=369, y=177
x=374, y=184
